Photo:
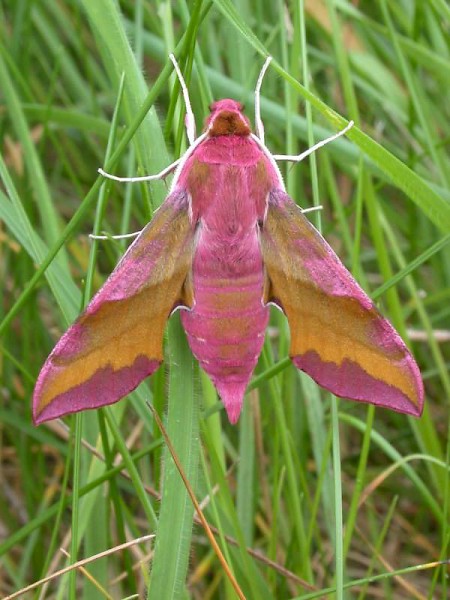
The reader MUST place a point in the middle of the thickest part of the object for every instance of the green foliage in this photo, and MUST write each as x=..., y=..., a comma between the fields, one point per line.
x=309, y=496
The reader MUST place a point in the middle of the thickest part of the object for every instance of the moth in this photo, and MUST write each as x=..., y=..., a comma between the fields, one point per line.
x=226, y=243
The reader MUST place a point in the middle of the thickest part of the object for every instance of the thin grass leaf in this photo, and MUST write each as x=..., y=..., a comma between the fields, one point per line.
x=173, y=534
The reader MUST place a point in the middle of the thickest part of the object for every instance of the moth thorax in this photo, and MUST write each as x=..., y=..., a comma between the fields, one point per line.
x=229, y=122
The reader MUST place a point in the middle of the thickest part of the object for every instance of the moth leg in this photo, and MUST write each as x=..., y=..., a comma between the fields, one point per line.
x=161, y=175
x=300, y=157
x=122, y=236
x=189, y=120
x=259, y=126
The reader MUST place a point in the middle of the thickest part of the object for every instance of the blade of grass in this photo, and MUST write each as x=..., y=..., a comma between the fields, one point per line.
x=173, y=535
x=394, y=455
x=417, y=98
x=196, y=505
x=119, y=58
x=38, y=182
x=356, y=583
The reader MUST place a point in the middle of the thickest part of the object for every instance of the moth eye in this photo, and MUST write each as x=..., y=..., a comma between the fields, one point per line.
x=211, y=107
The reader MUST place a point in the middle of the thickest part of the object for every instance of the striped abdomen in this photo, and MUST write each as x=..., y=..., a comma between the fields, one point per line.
x=226, y=327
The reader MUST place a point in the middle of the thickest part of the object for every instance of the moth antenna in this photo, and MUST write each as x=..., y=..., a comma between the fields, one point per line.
x=122, y=236
x=161, y=175
x=189, y=119
x=300, y=157
x=259, y=125
x=312, y=208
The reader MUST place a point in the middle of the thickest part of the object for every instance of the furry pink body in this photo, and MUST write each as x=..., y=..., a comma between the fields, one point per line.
x=226, y=326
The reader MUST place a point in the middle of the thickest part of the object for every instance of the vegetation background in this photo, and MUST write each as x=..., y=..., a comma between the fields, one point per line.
x=310, y=497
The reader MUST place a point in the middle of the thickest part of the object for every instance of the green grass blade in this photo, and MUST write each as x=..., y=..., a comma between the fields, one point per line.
x=173, y=534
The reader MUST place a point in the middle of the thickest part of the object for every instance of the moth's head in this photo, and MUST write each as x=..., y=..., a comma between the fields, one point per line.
x=227, y=118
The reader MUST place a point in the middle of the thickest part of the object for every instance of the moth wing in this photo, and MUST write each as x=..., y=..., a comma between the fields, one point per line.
x=117, y=341
x=338, y=336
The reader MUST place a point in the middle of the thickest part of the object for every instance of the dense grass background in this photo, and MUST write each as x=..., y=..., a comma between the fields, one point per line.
x=307, y=494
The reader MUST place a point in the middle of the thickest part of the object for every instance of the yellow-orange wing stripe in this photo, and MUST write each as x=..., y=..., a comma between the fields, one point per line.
x=337, y=334
x=117, y=341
